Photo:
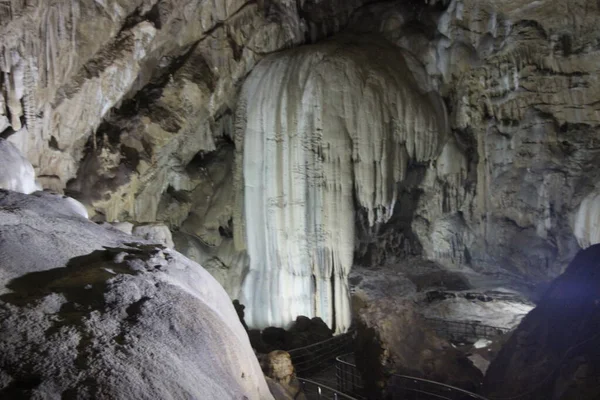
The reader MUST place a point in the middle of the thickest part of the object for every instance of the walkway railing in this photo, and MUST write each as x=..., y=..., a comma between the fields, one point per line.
x=348, y=378
x=316, y=356
x=459, y=331
x=404, y=387
x=318, y=391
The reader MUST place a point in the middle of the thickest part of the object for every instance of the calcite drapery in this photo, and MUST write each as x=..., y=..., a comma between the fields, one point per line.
x=322, y=130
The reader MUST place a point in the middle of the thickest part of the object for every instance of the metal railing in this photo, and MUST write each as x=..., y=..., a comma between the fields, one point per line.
x=403, y=387
x=411, y=388
x=459, y=331
x=317, y=391
x=348, y=378
x=316, y=356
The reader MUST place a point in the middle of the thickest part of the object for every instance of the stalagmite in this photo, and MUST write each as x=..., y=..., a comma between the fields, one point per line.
x=321, y=131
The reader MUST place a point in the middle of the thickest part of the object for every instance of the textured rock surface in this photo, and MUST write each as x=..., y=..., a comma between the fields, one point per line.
x=559, y=337
x=155, y=233
x=441, y=294
x=393, y=339
x=128, y=106
x=89, y=312
x=281, y=377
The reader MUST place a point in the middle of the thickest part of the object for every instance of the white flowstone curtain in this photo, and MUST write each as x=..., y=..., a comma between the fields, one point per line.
x=322, y=130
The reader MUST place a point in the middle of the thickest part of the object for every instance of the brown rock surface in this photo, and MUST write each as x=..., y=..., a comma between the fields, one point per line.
x=281, y=378
x=394, y=339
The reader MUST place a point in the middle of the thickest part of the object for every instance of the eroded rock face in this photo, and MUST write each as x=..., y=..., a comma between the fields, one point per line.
x=89, y=312
x=281, y=378
x=392, y=338
x=560, y=337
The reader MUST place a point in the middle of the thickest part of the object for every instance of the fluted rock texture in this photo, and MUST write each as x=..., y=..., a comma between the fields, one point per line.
x=322, y=130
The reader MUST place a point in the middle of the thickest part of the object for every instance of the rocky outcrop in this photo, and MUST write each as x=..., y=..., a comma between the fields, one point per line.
x=282, y=381
x=525, y=114
x=559, y=338
x=392, y=338
x=88, y=312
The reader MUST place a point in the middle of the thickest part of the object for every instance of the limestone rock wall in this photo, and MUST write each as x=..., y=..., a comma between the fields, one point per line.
x=532, y=104
x=520, y=82
x=17, y=173
x=129, y=106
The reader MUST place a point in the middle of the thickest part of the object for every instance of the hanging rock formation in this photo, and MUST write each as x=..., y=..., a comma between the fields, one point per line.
x=321, y=131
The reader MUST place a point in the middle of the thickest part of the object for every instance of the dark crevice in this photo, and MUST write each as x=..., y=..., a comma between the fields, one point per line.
x=21, y=386
x=53, y=143
x=5, y=134
x=227, y=231
x=152, y=16
x=333, y=315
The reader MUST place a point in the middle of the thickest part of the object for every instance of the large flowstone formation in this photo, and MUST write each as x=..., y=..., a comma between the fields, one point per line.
x=322, y=131
x=128, y=106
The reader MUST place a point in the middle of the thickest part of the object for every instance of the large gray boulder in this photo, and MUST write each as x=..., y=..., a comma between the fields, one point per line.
x=88, y=312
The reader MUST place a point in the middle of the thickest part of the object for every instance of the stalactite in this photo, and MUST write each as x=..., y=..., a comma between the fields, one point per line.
x=320, y=127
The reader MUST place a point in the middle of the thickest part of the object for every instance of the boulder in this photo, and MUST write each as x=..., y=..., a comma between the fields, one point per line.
x=392, y=338
x=278, y=367
x=88, y=312
x=553, y=354
x=305, y=331
x=125, y=227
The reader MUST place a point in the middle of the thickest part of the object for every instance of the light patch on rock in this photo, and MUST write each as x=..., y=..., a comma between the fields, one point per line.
x=16, y=172
x=481, y=343
x=480, y=362
x=587, y=221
